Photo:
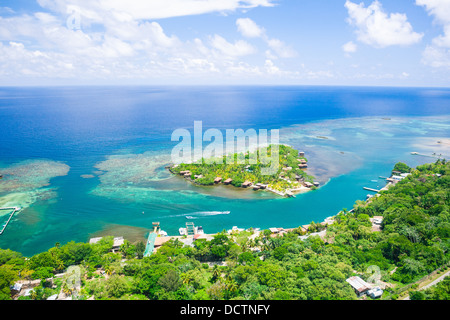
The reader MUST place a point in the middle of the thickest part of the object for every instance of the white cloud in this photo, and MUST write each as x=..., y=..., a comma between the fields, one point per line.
x=281, y=49
x=437, y=54
x=376, y=28
x=436, y=57
x=239, y=48
x=350, y=47
x=154, y=9
x=249, y=28
x=117, y=44
x=439, y=8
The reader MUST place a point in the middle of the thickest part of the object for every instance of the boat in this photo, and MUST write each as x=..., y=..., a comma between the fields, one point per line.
x=182, y=231
x=162, y=233
x=190, y=217
x=200, y=230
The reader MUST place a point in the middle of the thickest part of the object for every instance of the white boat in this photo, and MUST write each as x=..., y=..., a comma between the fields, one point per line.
x=200, y=230
x=162, y=233
x=182, y=231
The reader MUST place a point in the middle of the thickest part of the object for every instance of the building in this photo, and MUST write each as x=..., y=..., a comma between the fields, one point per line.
x=94, y=240
x=375, y=293
x=217, y=180
x=117, y=242
x=228, y=181
x=359, y=285
x=246, y=184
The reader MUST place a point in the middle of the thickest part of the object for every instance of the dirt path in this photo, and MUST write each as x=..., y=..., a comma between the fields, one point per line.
x=434, y=282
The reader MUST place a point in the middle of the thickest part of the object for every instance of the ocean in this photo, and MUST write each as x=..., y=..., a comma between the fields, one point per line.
x=89, y=161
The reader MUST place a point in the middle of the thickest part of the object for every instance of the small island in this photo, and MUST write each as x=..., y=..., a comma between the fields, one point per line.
x=289, y=178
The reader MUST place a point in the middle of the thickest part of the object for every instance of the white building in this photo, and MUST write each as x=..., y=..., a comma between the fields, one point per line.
x=359, y=285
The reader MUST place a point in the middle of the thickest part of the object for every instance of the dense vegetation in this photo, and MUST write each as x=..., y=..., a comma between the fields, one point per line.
x=439, y=292
x=414, y=241
x=244, y=170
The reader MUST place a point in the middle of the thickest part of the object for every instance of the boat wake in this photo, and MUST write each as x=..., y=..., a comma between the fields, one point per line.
x=198, y=214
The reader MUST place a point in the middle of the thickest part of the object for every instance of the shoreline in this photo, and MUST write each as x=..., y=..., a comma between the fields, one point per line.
x=289, y=192
x=291, y=171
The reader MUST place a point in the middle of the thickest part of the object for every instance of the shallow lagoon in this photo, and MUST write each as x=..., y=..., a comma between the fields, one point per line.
x=110, y=149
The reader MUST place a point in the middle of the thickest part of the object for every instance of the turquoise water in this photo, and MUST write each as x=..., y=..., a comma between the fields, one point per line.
x=87, y=162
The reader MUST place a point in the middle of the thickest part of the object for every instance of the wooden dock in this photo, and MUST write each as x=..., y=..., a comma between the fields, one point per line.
x=14, y=210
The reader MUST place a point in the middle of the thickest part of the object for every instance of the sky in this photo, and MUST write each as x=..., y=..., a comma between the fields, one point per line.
x=242, y=42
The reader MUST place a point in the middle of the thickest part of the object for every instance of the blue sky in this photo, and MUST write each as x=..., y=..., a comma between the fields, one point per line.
x=285, y=42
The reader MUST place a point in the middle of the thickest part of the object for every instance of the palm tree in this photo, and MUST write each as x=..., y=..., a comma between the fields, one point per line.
x=108, y=270
x=215, y=274
x=186, y=278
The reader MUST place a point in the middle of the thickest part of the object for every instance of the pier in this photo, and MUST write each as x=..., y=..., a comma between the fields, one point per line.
x=151, y=239
x=14, y=210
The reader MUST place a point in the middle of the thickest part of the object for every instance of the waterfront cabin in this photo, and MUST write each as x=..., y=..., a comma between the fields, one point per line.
x=246, y=184
x=117, y=242
x=256, y=187
x=316, y=184
x=308, y=184
x=301, y=154
x=228, y=181
x=217, y=180
x=302, y=165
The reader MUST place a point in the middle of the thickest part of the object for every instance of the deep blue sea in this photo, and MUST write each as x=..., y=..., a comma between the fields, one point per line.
x=89, y=161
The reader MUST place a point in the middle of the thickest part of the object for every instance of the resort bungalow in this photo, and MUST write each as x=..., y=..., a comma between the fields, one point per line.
x=302, y=165
x=246, y=184
x=301, y=154
x=228, y=181
x=182, y=173
x=217, y=180
x=308, y=184
x=359, y=285
x=117, y=243
x=316, y=184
